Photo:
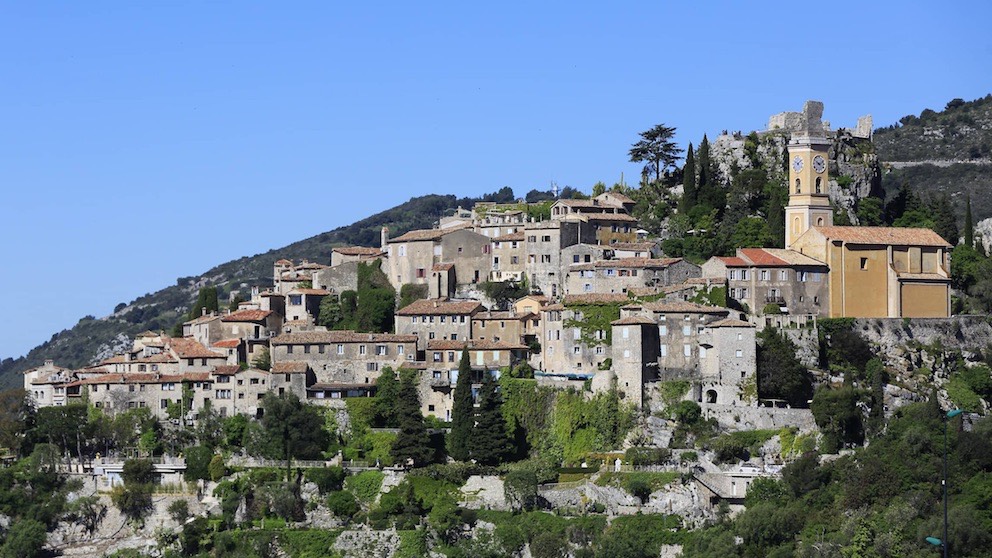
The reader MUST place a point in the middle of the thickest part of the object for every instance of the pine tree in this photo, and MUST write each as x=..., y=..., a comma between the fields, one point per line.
x=969, y=227
x=412, y=445
x=688, y=182
x=206, y=300
x=462, y=412
x=386, y=397
x=490, y=443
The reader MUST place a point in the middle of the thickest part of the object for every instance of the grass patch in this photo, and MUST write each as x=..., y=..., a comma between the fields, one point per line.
x=309, y=543
x=365, y=485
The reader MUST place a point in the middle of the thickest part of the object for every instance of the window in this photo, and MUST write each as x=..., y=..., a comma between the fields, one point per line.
x=546, y=238
x=421, y=273
x=819, y=183
x=320, y=349
x=702, y=351
x=576, y=349
x=380, y=350
x=764, y=274
x=223, y=394
x=600, y=350
x=783, y=274
x=362, y=350
x=399, y=349
x=437, y=356
x=430, y=335
x=732, y=274
x=295, y=300
x=340, y=349
x=575, y=258
x=739, y=353
x=687, y=350
x=626, y=354
x=797, y=185
x=253, y=381
x=451, y=356
x=743, y=293
x=743, y=275
x=686, y=330
x=372, y=367
x=663, y=330
x=454, y=337
x=162, y=404
x=442, y=319
x=306, y=349
x=402, y=249
x=864, y=263
x=287, y=378
x=664, y=350
x=189, y=362
x=413, y=320
x=169, y=386
x=203, y=362
x=626, y=332
x=289, y=349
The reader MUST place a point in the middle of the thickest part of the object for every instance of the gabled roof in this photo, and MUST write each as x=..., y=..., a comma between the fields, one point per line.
x=595, y=298
x=732, y=261
x=228, y=344
x=610, y=217
x=473, y=345
x=357, y=251
x=775, y=257
x=226, y=370
x=290, y=367
x=440, y=307
x=681, y=307
x=730, y=322
x=310, y=292
x=634, y=246
x=628, y=263
x=634, y=320
x=428, y=234
x=327, y=337
x=246, y=316
x=512, y=237
x=186, y=347
x=899, y=236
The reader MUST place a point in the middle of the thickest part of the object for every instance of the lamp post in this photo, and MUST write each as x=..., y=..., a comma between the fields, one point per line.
x=942, y=543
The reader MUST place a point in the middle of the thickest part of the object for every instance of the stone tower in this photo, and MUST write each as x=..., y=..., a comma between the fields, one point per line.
x=809, y=205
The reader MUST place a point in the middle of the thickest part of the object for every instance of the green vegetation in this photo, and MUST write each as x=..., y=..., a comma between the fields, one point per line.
x=368, y=309
x=780, y=374
x=593, y=322
x=462, y=412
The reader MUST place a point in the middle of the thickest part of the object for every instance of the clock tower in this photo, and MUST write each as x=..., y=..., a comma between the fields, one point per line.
x=809, y=205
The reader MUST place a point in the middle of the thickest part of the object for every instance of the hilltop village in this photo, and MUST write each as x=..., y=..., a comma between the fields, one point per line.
x=603, y=307
x=537, y=379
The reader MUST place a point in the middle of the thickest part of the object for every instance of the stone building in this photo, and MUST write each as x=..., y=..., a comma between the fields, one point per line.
x=439, y=319
x=635, y=344
x=570, y=343
x=250, y=324
x=441, y=369
x=785, y=279
x=287, y=276
x=727, y=364
x=509, y=257
x=544, y=242
x=621, y=275
x=303, y=304
x=49, y=385
x=411, y=256
x=509, y=327
x=346, y=254
x=344, y=357
x=113, y=393
x=645, y=249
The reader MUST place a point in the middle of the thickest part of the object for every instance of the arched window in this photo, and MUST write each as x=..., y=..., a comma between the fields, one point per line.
x=795, y=225
x=818, y=182
x=797, y=185
x=819, y=221
x=711, y=396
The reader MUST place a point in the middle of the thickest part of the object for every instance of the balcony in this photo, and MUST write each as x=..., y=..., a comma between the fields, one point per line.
x=773, y=299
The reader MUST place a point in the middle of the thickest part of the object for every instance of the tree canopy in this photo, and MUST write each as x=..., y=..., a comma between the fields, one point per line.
x=656, y=148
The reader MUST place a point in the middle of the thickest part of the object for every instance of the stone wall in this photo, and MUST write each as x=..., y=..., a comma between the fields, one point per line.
x=759, y=418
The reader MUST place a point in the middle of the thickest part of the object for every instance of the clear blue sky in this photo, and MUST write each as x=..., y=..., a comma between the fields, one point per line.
x=142, y=141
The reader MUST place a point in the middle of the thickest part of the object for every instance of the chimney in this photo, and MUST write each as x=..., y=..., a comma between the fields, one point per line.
x=49, y=363
x=203, y=311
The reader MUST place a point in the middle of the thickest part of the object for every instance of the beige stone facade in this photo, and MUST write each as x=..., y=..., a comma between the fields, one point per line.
x=437, y=319
x=786, y=279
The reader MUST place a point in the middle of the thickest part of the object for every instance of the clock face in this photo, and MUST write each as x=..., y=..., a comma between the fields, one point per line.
x=797, y=163
x=819, y=164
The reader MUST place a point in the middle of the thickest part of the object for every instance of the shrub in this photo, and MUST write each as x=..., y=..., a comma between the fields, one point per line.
x=198, y=463
x=217, y=469
x=686, y=412
x=342, y=503
x=327, y=479
x=639, y=457
x=179, y=510
x=365, y=485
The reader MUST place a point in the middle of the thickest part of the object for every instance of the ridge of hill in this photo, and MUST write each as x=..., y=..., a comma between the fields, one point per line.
x=942, y=153
x=92, y=339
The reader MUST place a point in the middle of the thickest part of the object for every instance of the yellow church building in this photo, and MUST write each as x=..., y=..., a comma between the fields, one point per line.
x=875, y=272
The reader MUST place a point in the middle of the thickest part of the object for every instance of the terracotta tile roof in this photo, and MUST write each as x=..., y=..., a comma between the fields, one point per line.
x=498, y=316
x=732, y=261
x=792, y=257
x=512, y=237
x=186, y=347
x=155, y=359
x=760, y=257
x=630, y=263
x=730, y=322
x=473, y=345
x=586, y=203
x=610, y=217
x=310, y=292
x=683, y=307
x=228, y=344
x=633, y=246
x=148, y=378
x=226, y=370
x=327, y=337
x=595, y=298
x=311, y=265
x=284, y=262
x=634, y=320
x=427, y=234
x=116, y=359
x=358, y=251
x=290, y=367
x=271, y=293
x=552, y=307
x=246, y=316
x=900, y=236
x=619, y=197
x=443, y=267
x=536, y=298
x=202, y=319
x=923, y=277
x=440, y=307
x=335, y=387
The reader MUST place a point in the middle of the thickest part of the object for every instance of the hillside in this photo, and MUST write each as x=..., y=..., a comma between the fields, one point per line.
x=946, y=152
x=96, y=338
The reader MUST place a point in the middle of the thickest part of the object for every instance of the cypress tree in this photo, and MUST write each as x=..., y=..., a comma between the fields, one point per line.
x=490, y=443
x=688, y=182
x=703, y=154
x=969, y=227
x=386, y=399
x=412, y=444
x=462, y=412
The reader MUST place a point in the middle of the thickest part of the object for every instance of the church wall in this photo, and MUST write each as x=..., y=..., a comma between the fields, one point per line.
x=865, y=287
x=920, y=300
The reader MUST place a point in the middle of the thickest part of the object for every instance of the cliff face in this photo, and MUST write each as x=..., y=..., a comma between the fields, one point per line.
x=855, y=172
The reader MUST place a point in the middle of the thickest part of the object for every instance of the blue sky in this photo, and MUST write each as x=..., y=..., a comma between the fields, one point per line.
x=141, y=142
